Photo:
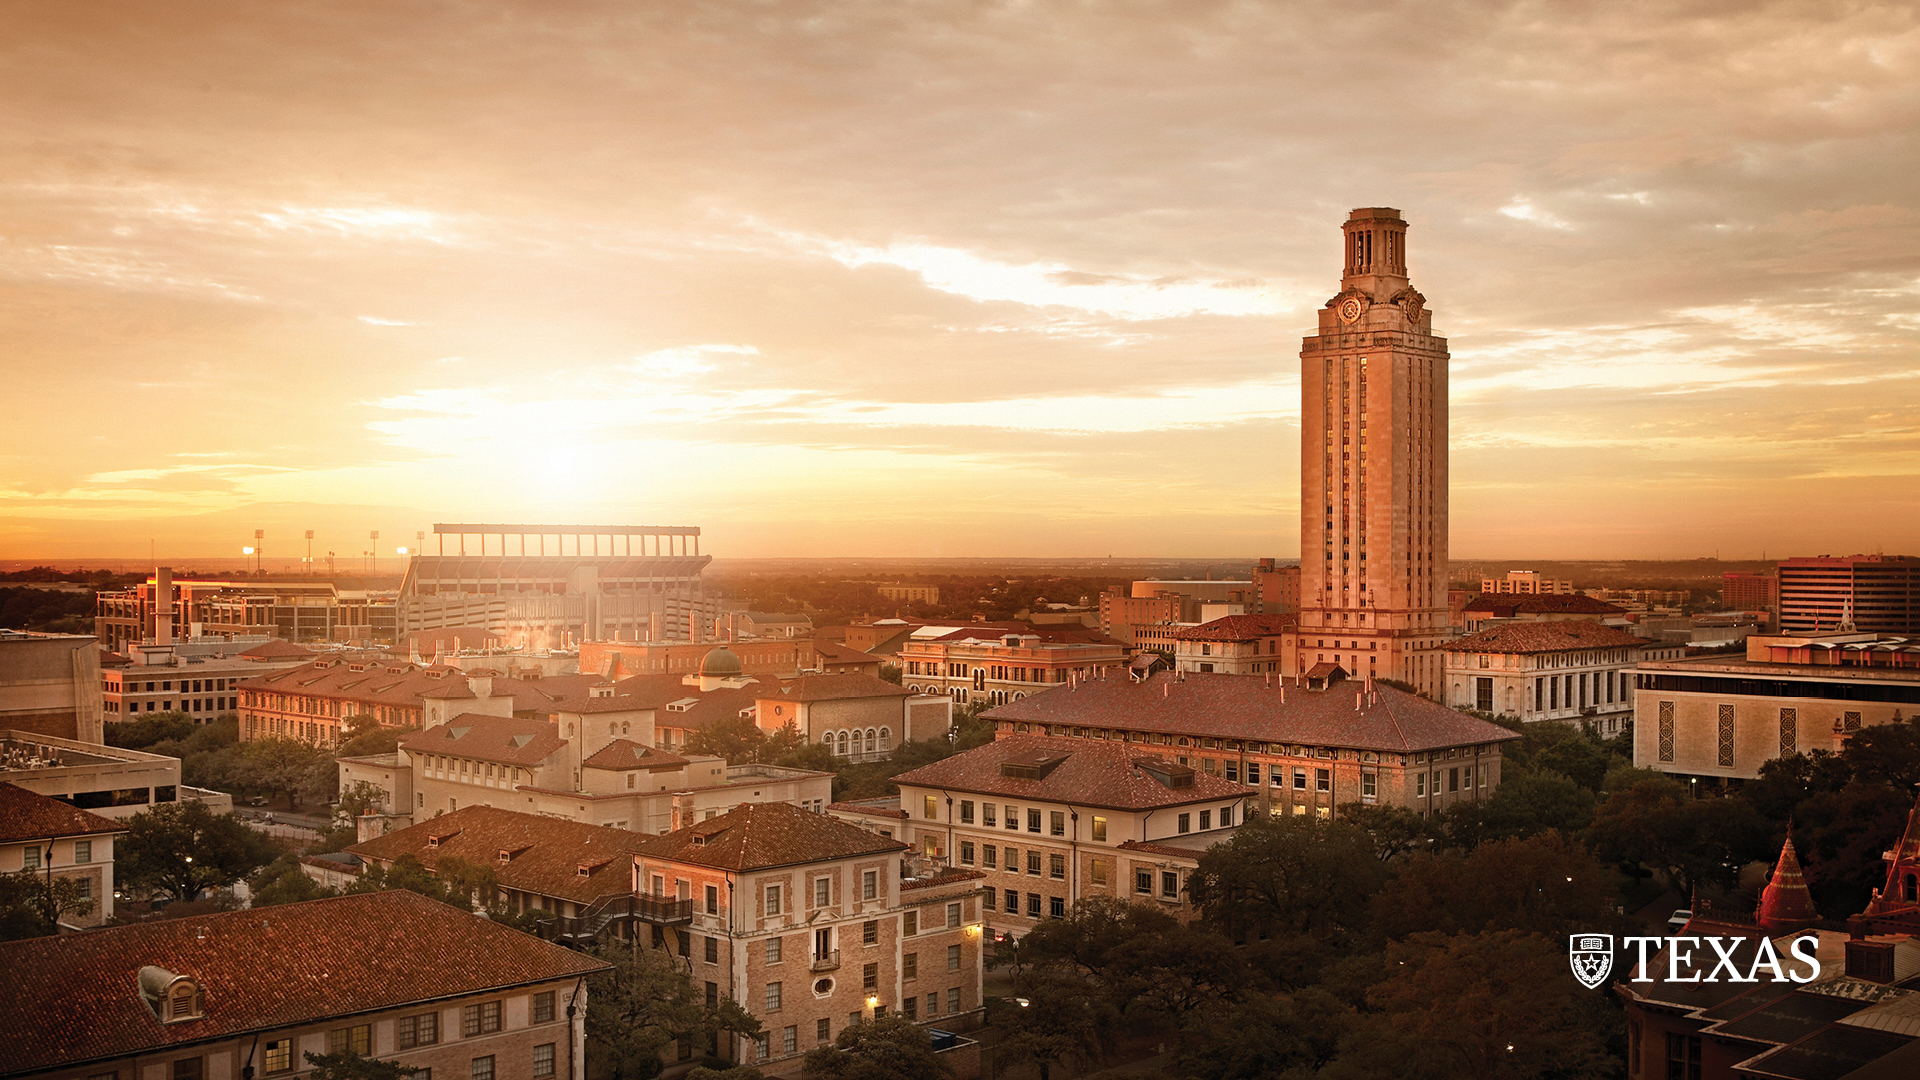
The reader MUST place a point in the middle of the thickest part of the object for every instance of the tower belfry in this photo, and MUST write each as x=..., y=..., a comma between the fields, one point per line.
x=1373, y=468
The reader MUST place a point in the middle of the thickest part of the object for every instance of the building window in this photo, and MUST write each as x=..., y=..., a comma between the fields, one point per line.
x=987, y=899
x=713, y=900
x=869, y=976
x=713, y=995
x=82, y=851
x=1323, y=779
x=1299, y=779
x=773, y=997
x=1683, y=1057
x=1099, y=828
x=989, y=856
x=1185, y=823
x=1033, y=820
x=953, y=916
x=358, y=1039
x=953, y=958
x=1143, y=882
x=869, y=885
x=192, y=1068
x=1057, y=907
x=279, y=1057
x=953, y=999
x=1369, y=785
x=966, y=811
x=1033, y=905
x=424, y=1029
x=966, y=853
x=930, y=808
x=910, y=966
x=1013, y=902
x=1169, y=885
x=773, y=950
x=483, y=1019
x=909, y=923
x=482, y=1068
x=1206, y=820
x=30, y=857
x=773, y=899
x=822, y=892
x=1097, y=871
x=1033, y=863
x=1013, y=818
x=911, y=1007
x=823, y=1031
x=713, y=950
x=870, y=932
x=543, y=1060
x=1058, y=823
x=543, y=1007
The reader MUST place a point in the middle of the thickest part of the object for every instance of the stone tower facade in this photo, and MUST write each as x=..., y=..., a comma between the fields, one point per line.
x=1373, y=469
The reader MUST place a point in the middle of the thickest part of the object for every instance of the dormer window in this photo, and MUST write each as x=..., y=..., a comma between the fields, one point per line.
x=184, y=1001
x=173, y=998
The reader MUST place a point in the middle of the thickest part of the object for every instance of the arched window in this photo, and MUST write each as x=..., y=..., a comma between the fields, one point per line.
x=827, y=738
x=886, y=739
x=843, y=744
x=872, y=740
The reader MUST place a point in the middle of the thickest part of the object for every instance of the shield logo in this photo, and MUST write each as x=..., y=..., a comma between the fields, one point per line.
x=1591, y=957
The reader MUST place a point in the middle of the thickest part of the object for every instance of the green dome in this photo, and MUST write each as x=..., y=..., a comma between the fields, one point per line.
x=720, y=664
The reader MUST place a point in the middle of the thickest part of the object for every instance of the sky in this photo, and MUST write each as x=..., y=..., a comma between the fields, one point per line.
x=914, y=278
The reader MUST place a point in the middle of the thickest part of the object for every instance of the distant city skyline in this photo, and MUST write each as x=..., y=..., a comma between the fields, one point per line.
x=949, y=280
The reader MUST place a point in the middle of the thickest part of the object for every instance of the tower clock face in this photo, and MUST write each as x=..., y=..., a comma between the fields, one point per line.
x=1350, y=309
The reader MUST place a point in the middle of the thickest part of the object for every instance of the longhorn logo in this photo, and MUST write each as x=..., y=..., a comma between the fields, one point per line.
x=1591, y=957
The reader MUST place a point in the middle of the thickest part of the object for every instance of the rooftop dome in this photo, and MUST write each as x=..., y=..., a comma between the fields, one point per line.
x=721, y=663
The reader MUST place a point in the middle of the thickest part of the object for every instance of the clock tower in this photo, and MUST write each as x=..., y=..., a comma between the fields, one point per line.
x=1373, y=469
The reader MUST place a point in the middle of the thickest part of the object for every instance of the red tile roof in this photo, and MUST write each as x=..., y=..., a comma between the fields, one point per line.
x=1048, y=633
x=866, y=807
x=75, y=998
x=627, y=754
x=488, y=738
x=1542, y=604
x=1090, y=773
x=277, y=650
x=834, y=652
x=28, y=815
x=1552, y=636
x=388, y=681
x=759, y=836
x=1249, y=708
x=842, y=687
x=1239, y=628
x=547, y=853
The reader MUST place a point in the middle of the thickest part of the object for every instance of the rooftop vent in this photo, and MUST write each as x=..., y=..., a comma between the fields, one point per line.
x=1031, y=766
x=1166, y=772
x=172, y=998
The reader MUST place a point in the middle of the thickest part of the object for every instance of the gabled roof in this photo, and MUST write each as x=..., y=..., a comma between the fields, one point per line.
x=758, y=836
x=75, y=998
x=503, y=739
x=1048, y=633
x=546, y=854
x=1089, y=772
x=834, y=652
x=1537, y=637
x=1250, y=708
x=627, y=754
x=28, y=815
x=277, y=650
x=1542, y=604
x=1239, y=628
x=853, y=684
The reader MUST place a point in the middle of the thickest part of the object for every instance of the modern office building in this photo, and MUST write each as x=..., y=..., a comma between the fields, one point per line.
x=165, y=609
x=1750, y=592
x=1373, y=465
x=1869, y=593
x=50, y=685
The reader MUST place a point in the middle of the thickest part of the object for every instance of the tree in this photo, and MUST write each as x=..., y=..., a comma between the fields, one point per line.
x=369, y=737
x=1172, y=974
x=1886, y=754
x=1542, y=884
x=1265, y=1036
x=1083, y=942
x=1395, y=830
x=1061, y=1021
x=1494, y=1006
x=891, y=673
x=289, y=766
x=884, y=1048
x=347, y=1065
x=33, y=904
x=1295, y=875
x=642, y=1004
x=1692, y=841
x=1526, y=804
x=284, y=882
x=1786, y=782
x=736, y=738
x=181, y=848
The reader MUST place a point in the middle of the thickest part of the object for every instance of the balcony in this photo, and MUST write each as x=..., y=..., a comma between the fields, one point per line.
x=661, y=910
x=826, y=961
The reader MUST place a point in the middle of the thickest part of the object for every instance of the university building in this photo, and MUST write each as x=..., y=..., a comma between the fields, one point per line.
x=1301, y=745
x=1001, y=662
x=1721, y=717
x=45, y=836
x=1239, y=645
x=243, y=994
x=1566, y=669
x=1373, y=466
x=342, y=609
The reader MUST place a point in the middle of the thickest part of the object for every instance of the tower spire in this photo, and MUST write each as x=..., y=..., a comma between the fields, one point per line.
x=1785, y=904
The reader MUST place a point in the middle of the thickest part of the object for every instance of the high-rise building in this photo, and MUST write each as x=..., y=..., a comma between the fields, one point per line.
x=1749, y=592
x=1878, y=593
x=1373, y=469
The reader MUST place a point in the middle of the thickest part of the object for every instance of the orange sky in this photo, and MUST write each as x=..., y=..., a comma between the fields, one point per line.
x=945, y=278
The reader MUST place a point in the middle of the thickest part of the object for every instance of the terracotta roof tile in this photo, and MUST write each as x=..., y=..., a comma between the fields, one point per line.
x=834, y=652
x=1554, y=635
x=277, y=650
x=1090, y=772
x=1543, y=604
x=74, y=998
x=1252, y=709
x=488, y=738
x=547, y=853
x=757, y=836
x=1239, y=628
x=852, y=684
x=627, y=754
x=29, y=815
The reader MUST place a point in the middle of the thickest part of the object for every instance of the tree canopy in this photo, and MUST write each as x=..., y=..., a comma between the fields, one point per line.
x=181, y=848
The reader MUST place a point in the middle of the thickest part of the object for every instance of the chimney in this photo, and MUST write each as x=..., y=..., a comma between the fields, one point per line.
x=481, y=685
x=163, y=605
